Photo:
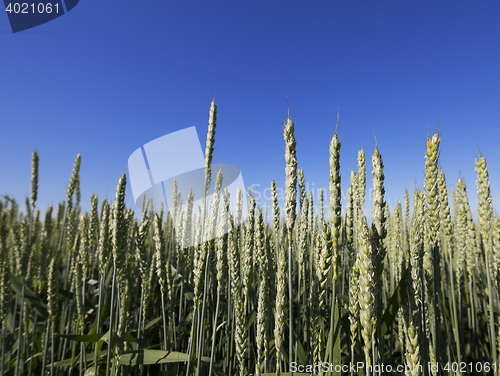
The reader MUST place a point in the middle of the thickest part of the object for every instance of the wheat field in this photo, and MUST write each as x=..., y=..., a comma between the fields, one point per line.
x=113, y=292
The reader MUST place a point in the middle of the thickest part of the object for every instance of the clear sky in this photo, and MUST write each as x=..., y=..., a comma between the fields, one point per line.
x=110, y=76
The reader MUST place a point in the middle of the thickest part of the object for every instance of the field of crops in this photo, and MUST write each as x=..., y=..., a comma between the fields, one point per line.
x=111, y=292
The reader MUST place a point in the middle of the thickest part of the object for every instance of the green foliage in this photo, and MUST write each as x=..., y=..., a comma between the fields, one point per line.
x=260, y=295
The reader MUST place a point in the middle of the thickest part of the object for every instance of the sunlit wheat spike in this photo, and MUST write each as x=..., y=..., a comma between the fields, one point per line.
x=378, y=197
x=222, y=242
x=335, y=190
x=77, y=191
x=5, y=289
x=104, y=247
x=357, y=209
x=145, y=207
x=412, y=356
x=314, y=318
x=84, y=245
x=262, y=319
x=417, y=247
x=303, y=231
x=279, y=313
x=400, y=259
x=460, y=232
x=472, y=241
x=13, y=237
x=407, y=210
x=350, y=220
x=324, y=262
x=290, y=174
x=467, y=249
x=315, y=244
x=15, y=253
x=214, y=208
x=444, y=214
x=366, y=289
x=247, y=263
x=124, y=288
x=175, y=198
x=70, y=231
x=187, y=228
x=485, y=205
x=199, y=268
x=263, y=295
x=455, y=207
x=212, y=123
x=34, y=178
x=73, y=182
x=34, y=262
x=141, y=250
x=94, y=221
x=241, y=339
x=159, y=242
x=24, y=251
x=430, y=184
x=485, y=208
x=61, y=208
x=119, y=227
x=354, y=305
x=302, y=186
x=429, y=296
x=380, y=216
x=178, y=223
x=13, y=212
x=310, y=215
x=77, y=280
x=398, y=240
x=321, y=206
x=496, y=249
x=239, y=207
x=362, y=176
x=260, y=244
x=53, y=290
x=234, y=264
x=447, y=224
x=276, y=208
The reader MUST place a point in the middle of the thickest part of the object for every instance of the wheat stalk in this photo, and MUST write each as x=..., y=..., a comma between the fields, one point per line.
x=485, y=208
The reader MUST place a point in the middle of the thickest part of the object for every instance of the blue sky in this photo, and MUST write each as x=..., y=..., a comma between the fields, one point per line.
x=111, y=76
